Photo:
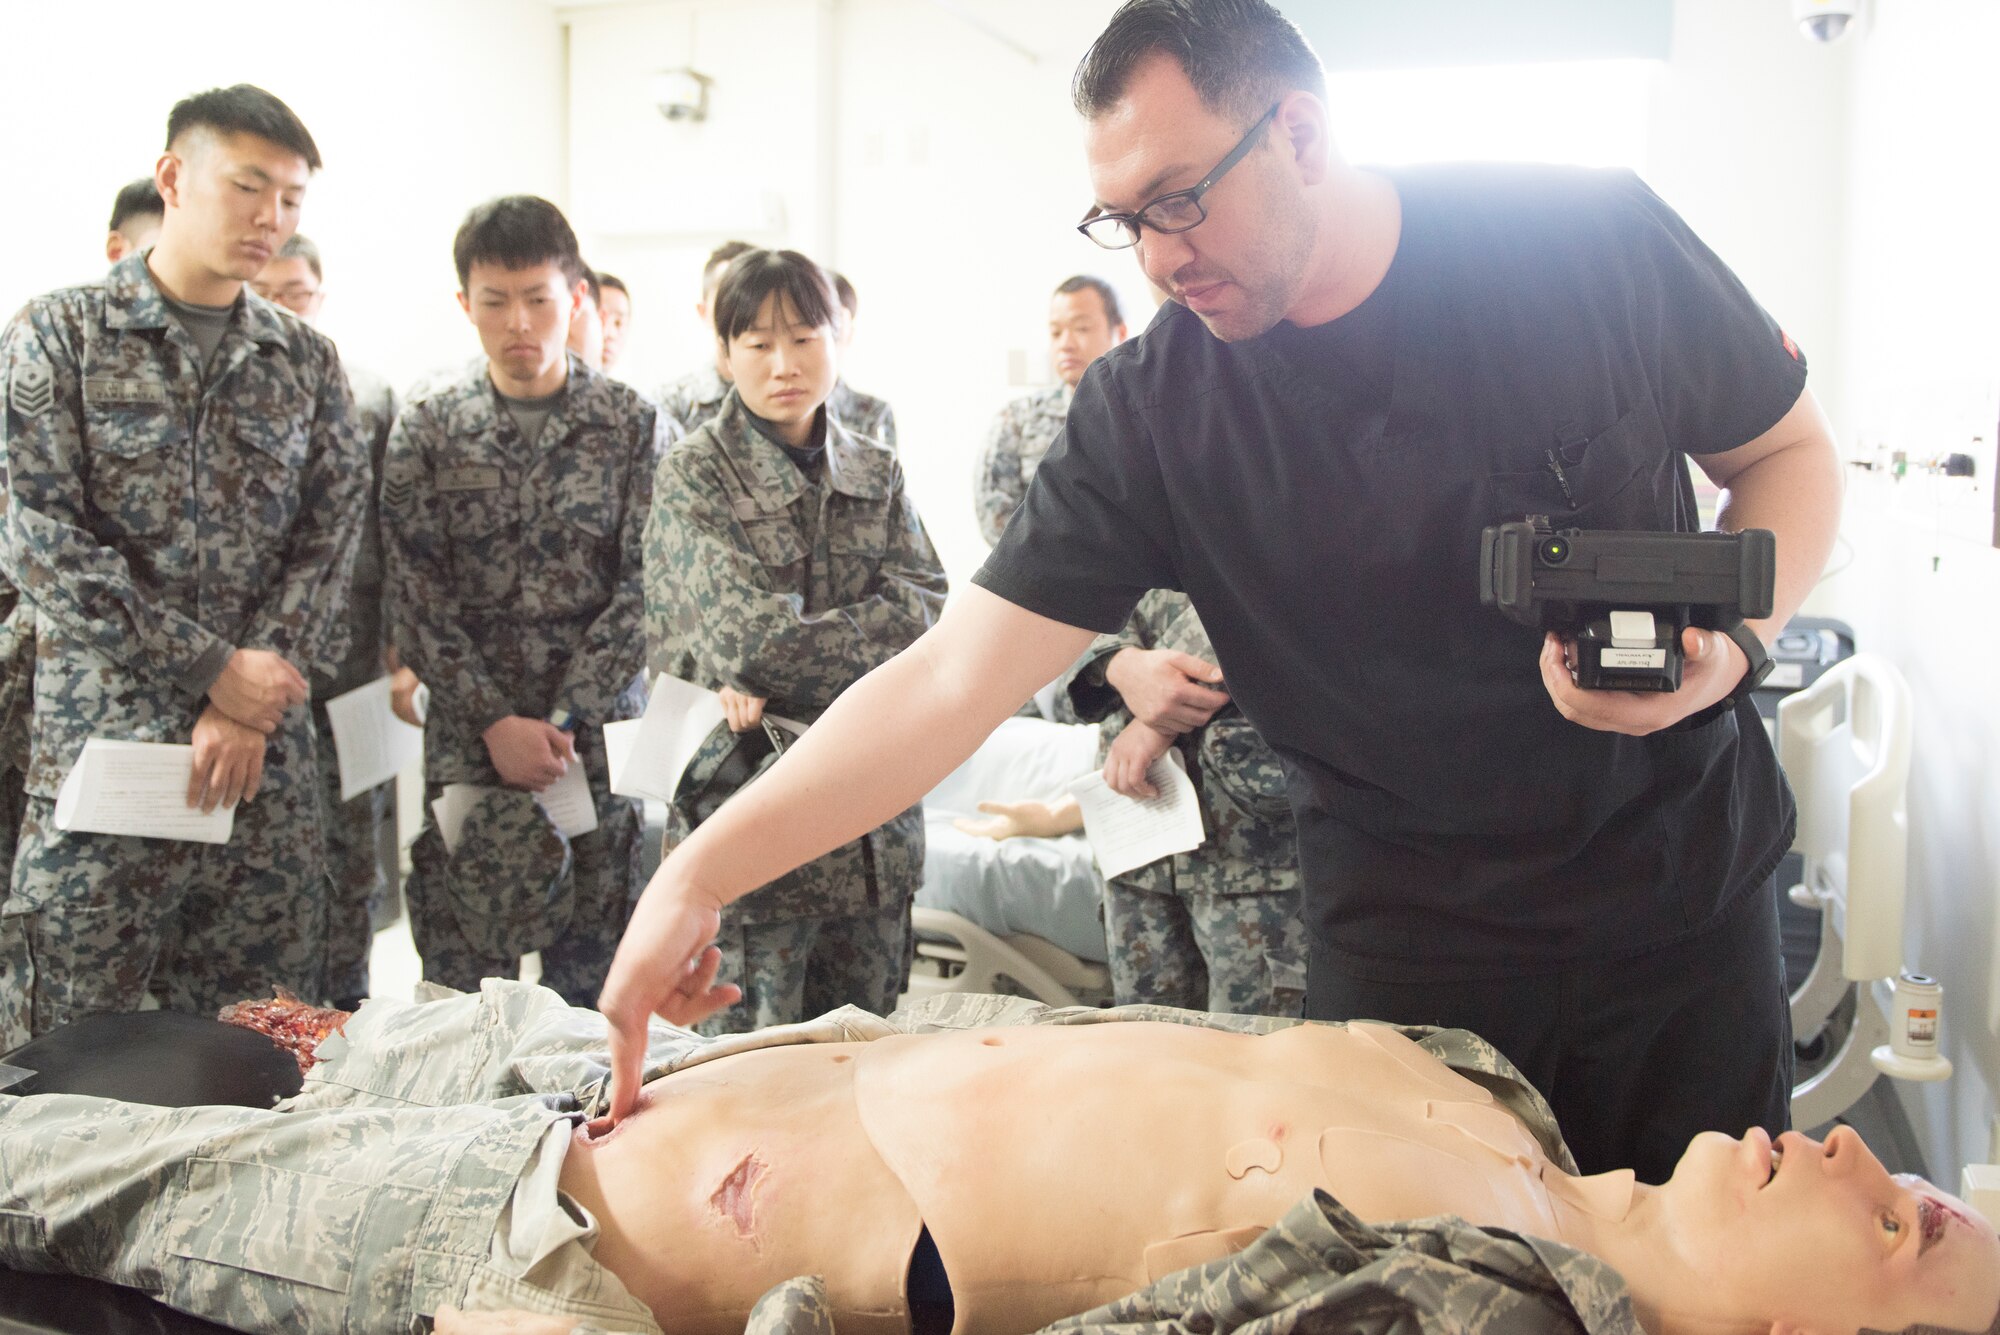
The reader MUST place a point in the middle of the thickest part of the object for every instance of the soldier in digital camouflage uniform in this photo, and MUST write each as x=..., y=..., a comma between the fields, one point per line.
x=17, y=686
x=1216, y=928
x=418, y=1168
x=511, y=531
x=361, y=849
x=693, y=399
x=698, y=395
x=1084, y=324
x=187, y=492
x=1021, y=434
x=785, y=574
x=863, y=414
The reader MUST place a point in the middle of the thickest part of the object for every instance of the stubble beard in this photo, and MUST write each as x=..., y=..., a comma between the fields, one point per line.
x=1271, y=292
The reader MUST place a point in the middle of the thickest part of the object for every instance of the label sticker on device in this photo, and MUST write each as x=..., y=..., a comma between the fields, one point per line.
x=1632, y=658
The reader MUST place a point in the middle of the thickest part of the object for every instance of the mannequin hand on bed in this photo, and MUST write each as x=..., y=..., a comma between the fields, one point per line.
x=451, y=1321
x=1715, y=666
x=1037, y=820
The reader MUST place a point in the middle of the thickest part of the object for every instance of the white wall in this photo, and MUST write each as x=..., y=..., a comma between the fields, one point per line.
x=1921, y=344
x=650, y=198
x=1749, y=143
x=923, y=155
x=420, y=111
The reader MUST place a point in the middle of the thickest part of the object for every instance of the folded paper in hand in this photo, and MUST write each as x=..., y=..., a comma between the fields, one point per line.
x=140, y=789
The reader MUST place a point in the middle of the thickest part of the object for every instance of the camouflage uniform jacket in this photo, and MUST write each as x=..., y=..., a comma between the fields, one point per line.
x=1021, y=435
x=1252, y=843
x=17, y=678
x=778, y=586
x=512, y=572
x=694, y=398
x=1321, y=1269
x=375, y=409
x=863, y=414
x=158, y=523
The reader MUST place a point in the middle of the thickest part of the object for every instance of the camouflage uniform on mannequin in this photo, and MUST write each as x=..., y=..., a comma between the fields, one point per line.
x=472, y=1100
x=1216, y=928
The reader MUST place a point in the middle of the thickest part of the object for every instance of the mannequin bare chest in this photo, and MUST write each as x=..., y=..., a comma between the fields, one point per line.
x=1056, y=1168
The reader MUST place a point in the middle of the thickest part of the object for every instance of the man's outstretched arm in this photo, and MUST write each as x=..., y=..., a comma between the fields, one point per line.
x=886, y=742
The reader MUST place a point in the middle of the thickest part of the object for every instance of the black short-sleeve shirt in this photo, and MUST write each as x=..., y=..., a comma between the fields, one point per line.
x=1320, y=492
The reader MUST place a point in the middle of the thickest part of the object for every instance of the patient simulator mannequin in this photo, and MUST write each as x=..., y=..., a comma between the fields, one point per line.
x=1057, y=1167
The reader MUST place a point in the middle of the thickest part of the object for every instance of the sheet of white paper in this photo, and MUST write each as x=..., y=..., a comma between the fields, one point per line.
x=567, y=801
x=1127, y=832
x=619, y=740
x=449, y=811
x=137, y=788
x=649, y=755
x=678, y=719
x=371, y=743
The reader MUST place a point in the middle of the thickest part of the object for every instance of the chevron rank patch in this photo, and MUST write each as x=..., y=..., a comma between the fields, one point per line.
x=32, y=391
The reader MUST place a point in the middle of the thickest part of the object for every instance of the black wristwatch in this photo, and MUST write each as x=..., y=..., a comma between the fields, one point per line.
x=1760, y=661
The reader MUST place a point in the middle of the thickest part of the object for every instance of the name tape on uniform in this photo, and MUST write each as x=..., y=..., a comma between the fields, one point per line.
x=110, y=389
x=472, y=477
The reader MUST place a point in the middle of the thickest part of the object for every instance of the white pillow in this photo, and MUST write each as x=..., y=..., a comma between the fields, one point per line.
x=1024, y=758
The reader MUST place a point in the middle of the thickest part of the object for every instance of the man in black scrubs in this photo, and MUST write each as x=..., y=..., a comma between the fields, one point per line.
x=1359, y=371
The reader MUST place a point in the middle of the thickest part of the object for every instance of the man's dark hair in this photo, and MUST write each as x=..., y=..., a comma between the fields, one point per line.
x=758, y=274
x=136, y=200
x=614, y=282
x=1084, y=282
x=850, y=300
x=1240, y=55
x=721, y=255
x=298, y=247
x=516, y=232
x=243, y=109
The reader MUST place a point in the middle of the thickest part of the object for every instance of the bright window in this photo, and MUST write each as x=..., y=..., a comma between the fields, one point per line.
x=1591, y=113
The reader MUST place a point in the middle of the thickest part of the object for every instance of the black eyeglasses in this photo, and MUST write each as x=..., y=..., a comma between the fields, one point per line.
x=1177, y=212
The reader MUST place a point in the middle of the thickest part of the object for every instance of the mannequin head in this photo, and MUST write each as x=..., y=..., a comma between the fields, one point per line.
x=1829, y=1243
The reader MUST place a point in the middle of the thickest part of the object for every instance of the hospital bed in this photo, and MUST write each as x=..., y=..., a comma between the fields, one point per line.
x=1019, y=915
x=1844, y=742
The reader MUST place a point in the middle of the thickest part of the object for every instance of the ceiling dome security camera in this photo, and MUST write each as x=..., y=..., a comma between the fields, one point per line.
x=1826, y=21
x=681, y=94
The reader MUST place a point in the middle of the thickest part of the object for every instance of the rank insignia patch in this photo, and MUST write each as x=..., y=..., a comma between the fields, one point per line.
x=32, y=391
